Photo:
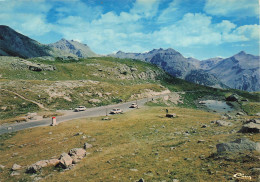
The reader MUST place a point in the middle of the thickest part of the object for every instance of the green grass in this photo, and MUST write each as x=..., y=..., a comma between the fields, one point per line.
x=251, y=108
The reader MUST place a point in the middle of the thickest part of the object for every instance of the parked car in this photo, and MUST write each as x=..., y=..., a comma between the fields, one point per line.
x=80, y=108
x=116, y=111
x=133, y=105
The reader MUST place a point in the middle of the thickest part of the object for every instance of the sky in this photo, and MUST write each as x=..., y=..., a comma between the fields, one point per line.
x=196, y=28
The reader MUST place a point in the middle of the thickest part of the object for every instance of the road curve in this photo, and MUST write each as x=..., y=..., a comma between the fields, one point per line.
x=90, y=112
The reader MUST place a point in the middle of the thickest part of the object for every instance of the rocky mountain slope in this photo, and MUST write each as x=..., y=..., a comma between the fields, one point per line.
x=73, y=47
x=13, y=43
x=240, y=71
x=209, y=63
x=176, y=65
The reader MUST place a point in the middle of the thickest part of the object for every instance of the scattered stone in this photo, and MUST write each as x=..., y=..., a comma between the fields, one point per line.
x=223, y=123
x=83, y=137
x=87, y=146
x=106, y=118
x=65, y=160
x=257, y=114
x=37, y=178
x=92, y=140
x=134, y=170
x=16, y=167
x=15, y=173
x=149, y=173
x=2, y=167
x=79, y=133
x=172, y=115
x=133, y=69
x=94, y=101
x=238, y=145
x=175, y=180
x=240, y=114
x=187, y=159
x=201, y=141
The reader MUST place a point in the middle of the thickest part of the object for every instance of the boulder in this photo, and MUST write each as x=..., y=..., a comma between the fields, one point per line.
x=77, y=154
x=65, y=160
x=16, y=167
x=240, y=114
x=239, y=145
x=250, y=128
x=40, y=164
x=232, y=98
x=172, y=115
x=37, y=166
x=223, y=123
x=87, y=146
x=53, y=162
x=15, y=173
x=2, y=167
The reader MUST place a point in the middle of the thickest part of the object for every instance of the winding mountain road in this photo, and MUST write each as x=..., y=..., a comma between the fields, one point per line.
x=91, y=112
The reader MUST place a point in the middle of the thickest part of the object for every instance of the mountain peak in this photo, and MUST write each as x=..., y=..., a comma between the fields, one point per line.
x=241, y=53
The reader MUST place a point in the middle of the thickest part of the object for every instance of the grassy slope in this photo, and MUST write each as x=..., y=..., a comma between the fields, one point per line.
x=33, y=85
x=141, y=139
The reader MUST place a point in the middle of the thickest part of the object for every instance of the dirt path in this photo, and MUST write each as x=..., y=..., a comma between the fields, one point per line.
x=22, y=97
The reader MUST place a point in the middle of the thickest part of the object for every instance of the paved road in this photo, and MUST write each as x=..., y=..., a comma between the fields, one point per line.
x=91, y=112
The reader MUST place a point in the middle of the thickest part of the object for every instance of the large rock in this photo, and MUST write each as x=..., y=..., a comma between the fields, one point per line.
x=16, y=167
x=87, y=146
x=223, y=123
x=77, y=154
x=253, y=126
x=40, y=164
x=65, y=160
x=239, y=145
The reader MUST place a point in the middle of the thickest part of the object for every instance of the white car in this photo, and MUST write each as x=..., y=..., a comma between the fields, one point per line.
x=133, y=105
x=80, y=108
x=116, y=111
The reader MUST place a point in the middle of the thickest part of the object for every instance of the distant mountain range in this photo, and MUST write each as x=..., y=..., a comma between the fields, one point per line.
x=240, y=71
x=13, y=43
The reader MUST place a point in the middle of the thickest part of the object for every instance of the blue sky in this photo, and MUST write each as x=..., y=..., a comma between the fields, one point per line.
x=196, y=28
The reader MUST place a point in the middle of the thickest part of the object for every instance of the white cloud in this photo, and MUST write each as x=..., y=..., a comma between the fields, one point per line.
x=232, y=8
x=29, y=19
x=145, y=8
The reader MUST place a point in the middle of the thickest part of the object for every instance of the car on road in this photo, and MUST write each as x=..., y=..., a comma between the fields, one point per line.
x=80, y=108
x=116, y=111
x=133, y=105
